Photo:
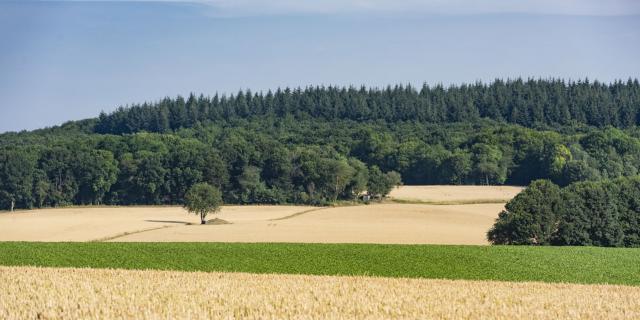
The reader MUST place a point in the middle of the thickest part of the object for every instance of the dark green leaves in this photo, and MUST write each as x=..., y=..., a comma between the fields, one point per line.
x=203, y=199
x=503, y=263
x=604, y=213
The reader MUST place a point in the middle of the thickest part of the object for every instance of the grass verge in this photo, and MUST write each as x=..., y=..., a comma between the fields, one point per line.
x=501, y=263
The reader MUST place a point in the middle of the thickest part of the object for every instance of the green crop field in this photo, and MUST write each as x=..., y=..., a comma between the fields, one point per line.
x=503, y=263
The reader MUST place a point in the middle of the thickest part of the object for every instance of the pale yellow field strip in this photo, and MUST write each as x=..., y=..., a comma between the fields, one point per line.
x=375, y=223
x=378, y=223
x=46, y=293
x=455, y=193
x=87, y=223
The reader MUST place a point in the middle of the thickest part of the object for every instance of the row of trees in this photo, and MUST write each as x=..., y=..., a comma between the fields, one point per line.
x=530, y=103
x=289, y=160
x=603, y=213
x=159, y=169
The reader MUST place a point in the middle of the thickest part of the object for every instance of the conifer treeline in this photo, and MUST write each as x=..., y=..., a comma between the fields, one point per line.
x=530, y=103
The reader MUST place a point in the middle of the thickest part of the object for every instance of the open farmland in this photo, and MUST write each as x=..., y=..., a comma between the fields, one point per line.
x=100, y=223
x=375, y=223
x=99, y=294
x=586, y=265
x=381, y=223
x=455, y=194
x=364, y=261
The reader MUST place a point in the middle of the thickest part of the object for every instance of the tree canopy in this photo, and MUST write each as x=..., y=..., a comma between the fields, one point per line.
x=529, y=103
x=322, y=144
x=203, y=199
x=603, y=213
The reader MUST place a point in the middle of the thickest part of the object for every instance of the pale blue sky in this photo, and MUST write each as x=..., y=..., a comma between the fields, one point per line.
x=69, y=60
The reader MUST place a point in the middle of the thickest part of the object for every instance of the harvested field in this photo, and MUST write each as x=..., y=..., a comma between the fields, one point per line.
x=87, y=224
x=401, y=223
x=455, y=194
x=46, y=293
x=381, y=223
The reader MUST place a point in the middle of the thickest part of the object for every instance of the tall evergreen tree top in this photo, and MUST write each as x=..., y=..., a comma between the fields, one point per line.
x=530, y=103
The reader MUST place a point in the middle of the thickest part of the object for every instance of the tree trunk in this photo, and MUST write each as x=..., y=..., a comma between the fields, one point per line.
x=202, y=218
x=13, y=204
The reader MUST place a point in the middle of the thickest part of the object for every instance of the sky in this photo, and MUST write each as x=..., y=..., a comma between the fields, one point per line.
x=70, y=60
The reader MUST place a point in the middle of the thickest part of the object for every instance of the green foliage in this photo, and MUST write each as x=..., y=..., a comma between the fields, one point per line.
x=575, y=171
x=380, y=184
x=489, y=168
x=530, y=103
x=96, y=173
x=556, y=160
x=592, y=216
x=530, y=218
x=203, y=199
x=16, y=177
x=456, y=168
x=335, y=176
x=603, y=213
x=501, y=263
x=286, y=161
x=359, y=179
x=318, y=145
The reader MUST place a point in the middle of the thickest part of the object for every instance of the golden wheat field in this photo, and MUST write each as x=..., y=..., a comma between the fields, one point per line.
x=376, y=223
x=48, y=293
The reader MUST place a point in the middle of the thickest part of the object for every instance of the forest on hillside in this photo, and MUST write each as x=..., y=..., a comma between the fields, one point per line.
x=322, y=144
x=532, y=103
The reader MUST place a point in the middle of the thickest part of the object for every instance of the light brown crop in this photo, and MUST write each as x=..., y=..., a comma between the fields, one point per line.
x=47, y=293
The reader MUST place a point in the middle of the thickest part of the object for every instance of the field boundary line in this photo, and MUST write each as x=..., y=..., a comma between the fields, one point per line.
x=449, y=202
x=127, y=233
x=300, y=213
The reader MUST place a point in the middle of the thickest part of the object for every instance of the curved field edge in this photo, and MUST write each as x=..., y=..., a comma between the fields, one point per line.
x=588, y=265
x=448, y=203
x=107, y=293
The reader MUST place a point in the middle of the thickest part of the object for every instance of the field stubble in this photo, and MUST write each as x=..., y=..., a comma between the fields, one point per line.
x=391, y=223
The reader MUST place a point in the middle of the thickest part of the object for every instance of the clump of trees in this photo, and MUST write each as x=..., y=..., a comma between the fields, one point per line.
x=380, y=184
x=603, y=213
x=160, y=168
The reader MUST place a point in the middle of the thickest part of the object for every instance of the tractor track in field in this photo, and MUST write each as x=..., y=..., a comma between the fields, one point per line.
x=127, y=233
x=300, y=213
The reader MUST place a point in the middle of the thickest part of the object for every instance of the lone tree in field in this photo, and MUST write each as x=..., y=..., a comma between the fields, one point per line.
x=203, y=199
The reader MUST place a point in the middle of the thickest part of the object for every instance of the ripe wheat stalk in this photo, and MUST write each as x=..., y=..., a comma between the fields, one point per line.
x=51, y=293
